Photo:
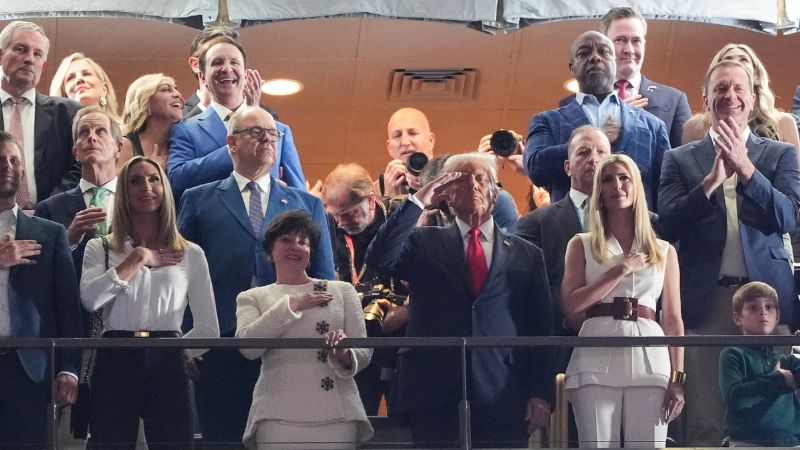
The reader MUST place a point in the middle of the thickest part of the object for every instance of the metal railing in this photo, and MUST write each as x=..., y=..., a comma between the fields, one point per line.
x=461, y=343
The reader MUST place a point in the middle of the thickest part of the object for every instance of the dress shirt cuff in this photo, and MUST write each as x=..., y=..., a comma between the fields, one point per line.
x=69, y=374
x=413, y=199
x=112, y=273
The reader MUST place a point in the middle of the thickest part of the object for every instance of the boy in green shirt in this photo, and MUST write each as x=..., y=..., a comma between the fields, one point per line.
x=757, y=383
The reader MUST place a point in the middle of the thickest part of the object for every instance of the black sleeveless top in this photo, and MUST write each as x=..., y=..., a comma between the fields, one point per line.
x=135, y=143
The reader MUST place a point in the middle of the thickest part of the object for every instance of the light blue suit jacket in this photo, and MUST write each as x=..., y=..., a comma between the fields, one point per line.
x=214, y=217
x=643, y=138
x=767, y=207
x=198, y=154
x=44, y=300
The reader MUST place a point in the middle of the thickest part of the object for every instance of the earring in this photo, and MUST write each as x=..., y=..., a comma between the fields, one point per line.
x=103, y=102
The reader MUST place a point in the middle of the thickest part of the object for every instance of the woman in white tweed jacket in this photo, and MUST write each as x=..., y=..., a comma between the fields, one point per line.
x=304, y=398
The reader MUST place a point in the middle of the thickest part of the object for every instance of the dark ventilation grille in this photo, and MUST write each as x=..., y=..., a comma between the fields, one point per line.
x=434, y=85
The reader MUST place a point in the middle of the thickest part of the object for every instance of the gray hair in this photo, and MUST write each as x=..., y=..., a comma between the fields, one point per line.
x=115, y=130
x=8, y=32
x=487, y=161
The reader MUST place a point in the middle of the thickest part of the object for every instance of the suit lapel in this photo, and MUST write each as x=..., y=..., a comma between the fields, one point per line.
x=502, y=245
x=643, y=88
x=568, y=215
x=755, y=149
x=704, y=154
x=42, y=123
x=73, y=201
x=231, y=197
x=573, y=112
x=454, y=252
x=276, y=203
x=627, y=114
x=210, y=122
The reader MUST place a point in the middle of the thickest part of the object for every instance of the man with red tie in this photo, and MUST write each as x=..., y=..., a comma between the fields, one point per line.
x=467, y=279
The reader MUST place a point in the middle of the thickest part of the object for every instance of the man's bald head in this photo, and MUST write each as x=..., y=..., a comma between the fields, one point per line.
x=409, y=132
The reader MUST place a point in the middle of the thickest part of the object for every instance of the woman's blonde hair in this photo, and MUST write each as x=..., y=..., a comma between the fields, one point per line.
x=123, y=222
x=59, y=80
x=137, y=101
x=643, y=234
x=764, y=119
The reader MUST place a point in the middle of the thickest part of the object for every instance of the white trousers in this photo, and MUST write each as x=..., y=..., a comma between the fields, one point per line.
x=602, y=411
x=273, y=435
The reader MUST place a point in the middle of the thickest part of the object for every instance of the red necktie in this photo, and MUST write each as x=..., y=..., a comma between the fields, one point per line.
x=622, y=88
x=476, y=260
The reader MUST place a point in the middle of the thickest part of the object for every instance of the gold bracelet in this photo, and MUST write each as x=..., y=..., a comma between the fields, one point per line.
x=677, y=377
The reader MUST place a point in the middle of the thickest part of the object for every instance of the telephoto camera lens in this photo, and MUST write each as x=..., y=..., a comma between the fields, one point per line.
x=416, y=162
x=503, y=142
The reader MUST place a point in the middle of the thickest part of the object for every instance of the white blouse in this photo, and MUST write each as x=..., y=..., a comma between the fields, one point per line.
x=155, y=298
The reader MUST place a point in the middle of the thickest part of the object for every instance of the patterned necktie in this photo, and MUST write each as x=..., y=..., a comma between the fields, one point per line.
x=97, y=202
x=476, y=261
x=16, y=130
x=256, y=213
x=622, y=88
x=585, y=214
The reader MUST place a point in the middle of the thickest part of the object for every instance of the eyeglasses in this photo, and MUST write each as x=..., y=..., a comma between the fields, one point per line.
x=259, y=133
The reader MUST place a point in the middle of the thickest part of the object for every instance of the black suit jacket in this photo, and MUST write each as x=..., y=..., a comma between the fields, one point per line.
x=514, y=301
x=62, y=208
x=44, y=300
x=665, y=102
x=55, y=168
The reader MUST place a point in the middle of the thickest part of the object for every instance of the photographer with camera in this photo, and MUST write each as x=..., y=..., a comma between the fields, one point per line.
x=508, y=146
x=408, y=132
x=355, y=213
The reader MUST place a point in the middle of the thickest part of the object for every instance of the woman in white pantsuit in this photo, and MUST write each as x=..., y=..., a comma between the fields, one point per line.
x=613, y=278
x=304, y=398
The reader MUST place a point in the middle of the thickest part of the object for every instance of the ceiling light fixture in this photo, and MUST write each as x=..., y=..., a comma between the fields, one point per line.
x=281, y=86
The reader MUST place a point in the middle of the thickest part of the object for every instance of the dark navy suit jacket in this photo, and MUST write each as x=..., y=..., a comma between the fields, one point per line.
x=44, y=299
x=767, y=207
x=198, y=154
x=62, y=208
x=665, y=102
x=515, y=301
x=643, y=137
x=214, y=217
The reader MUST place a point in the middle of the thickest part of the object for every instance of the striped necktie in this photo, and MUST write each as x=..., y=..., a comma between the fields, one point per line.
x=16, y=130
x=256, y=213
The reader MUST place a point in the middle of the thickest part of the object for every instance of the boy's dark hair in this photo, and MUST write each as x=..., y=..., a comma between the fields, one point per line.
x=752, y=290
x=290, y=222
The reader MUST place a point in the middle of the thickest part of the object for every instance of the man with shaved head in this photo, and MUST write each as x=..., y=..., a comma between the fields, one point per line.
x=631, y=130
x=409, y=132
